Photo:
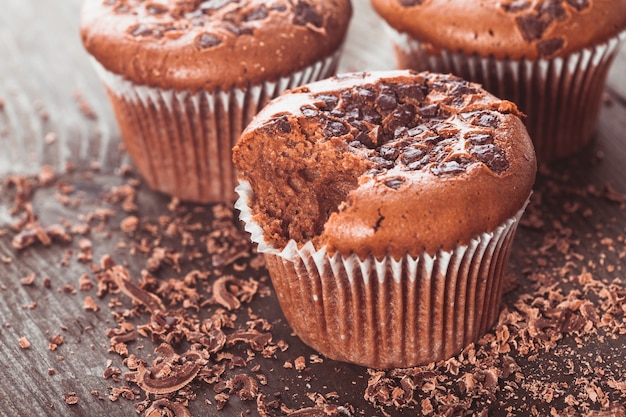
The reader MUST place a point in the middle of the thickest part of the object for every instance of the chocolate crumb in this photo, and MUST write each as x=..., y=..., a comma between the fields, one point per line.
x=24, y=343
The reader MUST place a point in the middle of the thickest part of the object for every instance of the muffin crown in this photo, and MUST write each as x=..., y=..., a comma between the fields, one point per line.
x=211, y=44
x=386, y=163
x=514, y=29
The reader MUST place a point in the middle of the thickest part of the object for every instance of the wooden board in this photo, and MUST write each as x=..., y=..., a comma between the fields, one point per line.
x=570, y=249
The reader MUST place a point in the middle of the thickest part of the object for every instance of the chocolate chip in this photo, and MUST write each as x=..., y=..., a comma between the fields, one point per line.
x=370, y=115
x=328, y=102
x=450, y=167
x=479, y=138
x=141, y=30
x=579, y=5
x=462, y=88
x=309, y=111
x=531, y=26
x=209, y=5
x=335, y=128
x=362, y=140
x=389, y=152
x=237, y=30
x=394, y=183
x=156, y=8
x=516, y=6
x=417, y=130
x=205, y=41
x=354, y=115
x=381, y=164
x=283, y=125
x=484, y=119
x=402, y=116
x=387, y=99
x=305, y=14
x=366, y=93
x=491, y=155
x=413, y=92
x=429, y=111
x=258, y=13
x=413, y=156
x=411, y=3
x=549, y=47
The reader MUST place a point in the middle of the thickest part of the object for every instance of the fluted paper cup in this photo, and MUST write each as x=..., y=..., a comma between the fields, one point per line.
x=385, y=313
x=560, y=96
x=181, y=141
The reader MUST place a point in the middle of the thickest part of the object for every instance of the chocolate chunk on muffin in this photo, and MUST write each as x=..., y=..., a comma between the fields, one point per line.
x=186, y=76
x=363, y=188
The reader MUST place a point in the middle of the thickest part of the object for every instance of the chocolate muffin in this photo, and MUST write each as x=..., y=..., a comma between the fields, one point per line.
x=550, y=57
x=385, y=204
x=185, y=76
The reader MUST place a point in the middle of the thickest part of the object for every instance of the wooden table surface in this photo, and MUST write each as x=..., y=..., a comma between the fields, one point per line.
x=568, y=256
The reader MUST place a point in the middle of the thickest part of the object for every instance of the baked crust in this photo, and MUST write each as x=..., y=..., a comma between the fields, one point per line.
x=512, y=29
x=385, y=163
x=194, y=44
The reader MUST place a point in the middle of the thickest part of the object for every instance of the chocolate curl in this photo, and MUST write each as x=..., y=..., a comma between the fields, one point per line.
x=122, y=279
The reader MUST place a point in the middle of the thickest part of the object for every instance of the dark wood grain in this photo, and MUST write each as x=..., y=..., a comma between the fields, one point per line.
x=44, y=77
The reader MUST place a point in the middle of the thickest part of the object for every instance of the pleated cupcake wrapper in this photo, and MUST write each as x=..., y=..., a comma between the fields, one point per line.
x=560, y=96
x=181, y=141
x=385, y=313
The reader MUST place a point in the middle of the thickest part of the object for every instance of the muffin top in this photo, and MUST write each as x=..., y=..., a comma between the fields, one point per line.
x=385, y=163
x=194, y=44
x=507, y=28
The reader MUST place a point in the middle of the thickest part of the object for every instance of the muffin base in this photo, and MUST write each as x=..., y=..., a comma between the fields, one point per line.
x=560, y=96
x=181, y=141
x=385, y=313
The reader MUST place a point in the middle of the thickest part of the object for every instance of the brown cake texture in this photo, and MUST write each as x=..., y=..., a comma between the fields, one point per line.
x=550, y=57
x=185, y=76
x=385, y=204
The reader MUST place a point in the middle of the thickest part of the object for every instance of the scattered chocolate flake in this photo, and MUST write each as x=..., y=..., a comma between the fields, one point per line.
x=129, y=224
x=90, y=304
x=70, y=398
x=28, y=279
x=148, y=299
x=23, y=342
x=55, y=342
x=33, y=232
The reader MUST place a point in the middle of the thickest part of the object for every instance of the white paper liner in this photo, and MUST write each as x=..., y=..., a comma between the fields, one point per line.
x=181, y=142
x=560, y=96
x=387, y=313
